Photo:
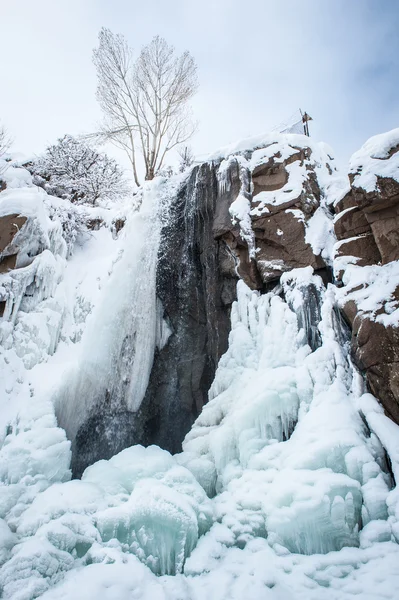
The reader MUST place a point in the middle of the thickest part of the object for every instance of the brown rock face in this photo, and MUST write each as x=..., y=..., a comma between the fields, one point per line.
x=269, y=177
x=385, y=229
x=375, y=350
x=363, y=247
x=368, y=225
x=375, y=214
x=279, y=229
x=282, y=247
x=9, y=227
x=353, y=222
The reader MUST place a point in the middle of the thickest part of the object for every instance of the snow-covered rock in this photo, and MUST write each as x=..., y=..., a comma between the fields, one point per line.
x=367, y=254
x=273, y=210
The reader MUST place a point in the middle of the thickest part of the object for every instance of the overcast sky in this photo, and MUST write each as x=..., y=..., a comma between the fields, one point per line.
x=258, y=61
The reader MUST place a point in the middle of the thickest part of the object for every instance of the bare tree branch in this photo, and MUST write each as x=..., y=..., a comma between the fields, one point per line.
x=186, y=157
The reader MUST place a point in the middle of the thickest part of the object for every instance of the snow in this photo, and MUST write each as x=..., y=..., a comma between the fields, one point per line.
x=319, y=234
x=373, y=289
x=240, y=211
x=240, y=208
x=283, y=488
x=15, y=176
x=302, y=503
x=261, y=141
x=373, y=160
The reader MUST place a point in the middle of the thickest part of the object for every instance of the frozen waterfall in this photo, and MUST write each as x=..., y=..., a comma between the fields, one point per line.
x=291, y=456
x=113, y=363
x=283, y=486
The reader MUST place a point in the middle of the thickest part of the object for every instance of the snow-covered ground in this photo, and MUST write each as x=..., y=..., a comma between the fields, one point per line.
x=283, y=489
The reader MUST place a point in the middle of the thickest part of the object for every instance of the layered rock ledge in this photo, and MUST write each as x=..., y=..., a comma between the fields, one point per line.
x=367, y=228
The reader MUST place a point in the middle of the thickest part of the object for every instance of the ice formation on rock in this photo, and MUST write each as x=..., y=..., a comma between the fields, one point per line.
x=118, y=345
x=285, y=487
x=282, y=431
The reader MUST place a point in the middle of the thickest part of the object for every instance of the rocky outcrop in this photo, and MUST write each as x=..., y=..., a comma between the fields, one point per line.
x=206, y=245
x=375, y=349
x=367, y=227
x=252, y=214
x=204, y=249
x=368, y=215
x=283, y=195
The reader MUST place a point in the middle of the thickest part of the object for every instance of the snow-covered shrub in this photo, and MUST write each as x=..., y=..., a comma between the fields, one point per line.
x=73, y=221
x=73, y=170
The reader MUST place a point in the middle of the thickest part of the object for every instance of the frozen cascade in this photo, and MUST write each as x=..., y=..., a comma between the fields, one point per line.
x=282, y=489
x=291, y=456
x=283, y=450
x=304, y=299
x=111, y=372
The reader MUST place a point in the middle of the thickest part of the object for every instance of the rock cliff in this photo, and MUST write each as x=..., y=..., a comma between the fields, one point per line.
x=251, y=214
x=367, y=227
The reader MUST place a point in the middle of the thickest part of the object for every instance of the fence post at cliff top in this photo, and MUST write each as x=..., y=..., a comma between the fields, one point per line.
x=305, y=120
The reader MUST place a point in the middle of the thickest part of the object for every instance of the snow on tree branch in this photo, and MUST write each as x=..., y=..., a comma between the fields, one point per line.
x=73, y=170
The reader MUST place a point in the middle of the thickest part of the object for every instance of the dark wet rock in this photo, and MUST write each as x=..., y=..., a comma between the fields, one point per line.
x=196, y=283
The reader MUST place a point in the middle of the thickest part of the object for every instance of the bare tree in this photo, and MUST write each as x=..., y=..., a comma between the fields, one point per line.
x=5, y=143
x=114, y=63
x=145, y=102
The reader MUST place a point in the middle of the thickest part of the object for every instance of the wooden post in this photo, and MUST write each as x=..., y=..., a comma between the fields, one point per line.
x=305, y=120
